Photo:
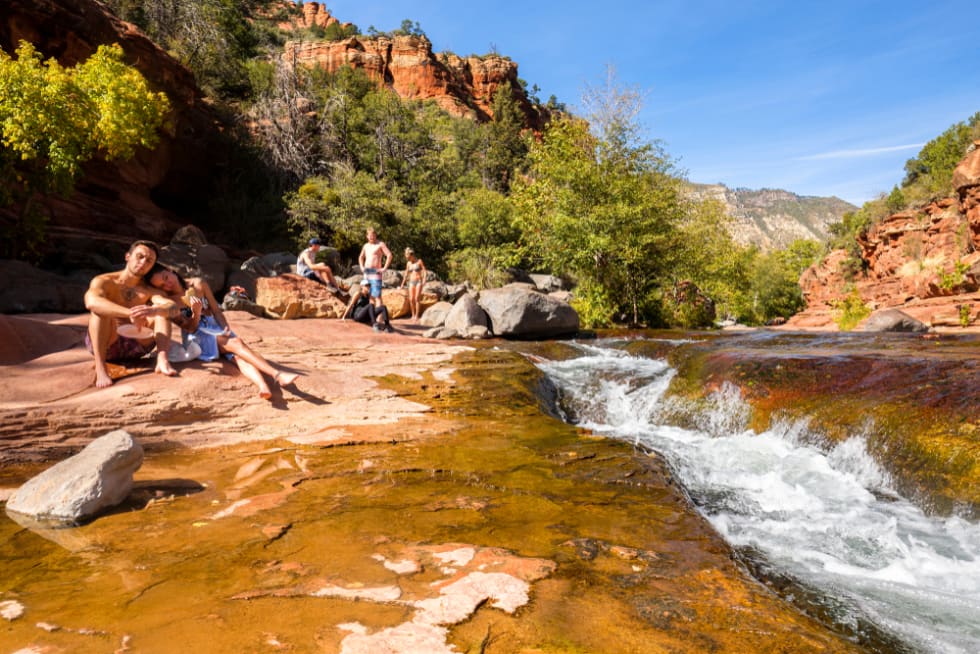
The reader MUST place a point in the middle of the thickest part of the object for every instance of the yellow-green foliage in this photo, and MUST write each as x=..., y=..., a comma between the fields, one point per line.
x=54, y=119
x=849, y=311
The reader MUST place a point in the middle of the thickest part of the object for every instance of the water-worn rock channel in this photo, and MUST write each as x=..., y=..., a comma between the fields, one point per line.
x=483, y=525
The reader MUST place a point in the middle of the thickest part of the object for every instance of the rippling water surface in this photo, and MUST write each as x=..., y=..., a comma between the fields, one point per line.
x=828, y=519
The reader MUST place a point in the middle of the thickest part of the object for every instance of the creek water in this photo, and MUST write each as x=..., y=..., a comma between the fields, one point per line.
x=823, y=519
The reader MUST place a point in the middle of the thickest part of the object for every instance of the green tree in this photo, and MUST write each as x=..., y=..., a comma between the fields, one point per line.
x=934, y=165
x=707, y=255
x=54, y=119
x=775, y=280
x=341, y=207
x=213, y=38
x=487, y=238
x=505, y=146
x=604, y=211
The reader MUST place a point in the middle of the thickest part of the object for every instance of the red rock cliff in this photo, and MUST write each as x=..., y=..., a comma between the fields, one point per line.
x=407, y=65
x=924, y=261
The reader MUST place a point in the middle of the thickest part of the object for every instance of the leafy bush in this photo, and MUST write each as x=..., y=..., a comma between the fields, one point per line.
x=933, y=168
x=483, y=267
x=54, y=119
x=849, y=311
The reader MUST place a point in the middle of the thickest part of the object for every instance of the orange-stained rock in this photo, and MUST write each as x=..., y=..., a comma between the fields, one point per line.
x=292, y=296
x=967, y=173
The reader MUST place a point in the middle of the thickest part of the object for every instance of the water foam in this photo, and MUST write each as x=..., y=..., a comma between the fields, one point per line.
x=825, y=515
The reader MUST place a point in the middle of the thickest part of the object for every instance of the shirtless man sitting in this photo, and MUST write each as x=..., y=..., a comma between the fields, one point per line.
x=307, y=266
x=118, y=298
x=374, y=259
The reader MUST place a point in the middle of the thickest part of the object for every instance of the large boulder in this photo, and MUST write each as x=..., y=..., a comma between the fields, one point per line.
x=291, y=296
x=80, y=487
x=516, y=312
x=435, y=315
x=206, y=261
x=31, y=290
x=396, y=300
x=892, y=320
x=464, y=314
x=270, y=265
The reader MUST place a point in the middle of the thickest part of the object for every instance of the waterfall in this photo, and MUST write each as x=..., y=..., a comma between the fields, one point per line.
x=824, y=516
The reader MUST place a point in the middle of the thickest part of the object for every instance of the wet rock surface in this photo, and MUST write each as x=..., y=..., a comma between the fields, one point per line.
x=913, y=397
x=392, y=498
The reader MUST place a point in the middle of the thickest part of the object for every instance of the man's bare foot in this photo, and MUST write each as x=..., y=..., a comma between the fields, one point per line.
x=164, y=368
x=102, y=379
x=265, y=393
x=285, y=378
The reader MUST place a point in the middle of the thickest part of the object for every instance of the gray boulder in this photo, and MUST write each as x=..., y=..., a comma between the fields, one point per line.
x=892, y=320
x=238, y=302
x=465, y=313
x=456, y=291
x=97, y=478
x=31, y=290
x=435, y=288
x=440, y=333
x=435, y=316
x=270, y=265
x=516, y=312
x=547, y=283
x=206, y=261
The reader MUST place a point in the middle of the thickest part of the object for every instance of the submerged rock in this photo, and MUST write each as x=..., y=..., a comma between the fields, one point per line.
x=98, y=477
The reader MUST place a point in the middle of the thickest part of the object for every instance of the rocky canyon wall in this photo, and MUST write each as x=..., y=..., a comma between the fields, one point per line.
x=923, y=261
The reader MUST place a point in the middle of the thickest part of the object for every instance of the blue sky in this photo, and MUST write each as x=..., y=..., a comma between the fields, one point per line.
x=818, y=98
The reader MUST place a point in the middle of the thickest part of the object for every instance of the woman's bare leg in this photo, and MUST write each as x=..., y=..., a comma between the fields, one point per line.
x=240, y=349
x=253, y=374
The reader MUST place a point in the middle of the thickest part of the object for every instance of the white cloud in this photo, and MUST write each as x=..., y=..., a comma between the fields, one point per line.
x=854, y=154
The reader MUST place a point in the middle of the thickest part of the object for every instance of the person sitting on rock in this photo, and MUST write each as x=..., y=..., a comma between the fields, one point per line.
x=362, y=309
x=307, y=266
x=121, y=301
x=205, y=324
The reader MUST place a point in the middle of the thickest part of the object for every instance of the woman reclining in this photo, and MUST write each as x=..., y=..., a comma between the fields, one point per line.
x=205, y=324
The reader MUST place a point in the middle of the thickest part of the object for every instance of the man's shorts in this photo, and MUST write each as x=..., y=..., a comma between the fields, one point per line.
x=122, y=349
x=373, y=276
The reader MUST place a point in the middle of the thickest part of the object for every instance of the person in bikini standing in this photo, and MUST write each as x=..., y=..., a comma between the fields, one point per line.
x=374, y=259
x=118, y=298
x=415, y=278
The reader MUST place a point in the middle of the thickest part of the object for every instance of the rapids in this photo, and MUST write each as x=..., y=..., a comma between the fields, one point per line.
x=820, y=519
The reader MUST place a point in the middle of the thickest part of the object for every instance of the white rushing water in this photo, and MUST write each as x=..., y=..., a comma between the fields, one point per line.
x=828, y=519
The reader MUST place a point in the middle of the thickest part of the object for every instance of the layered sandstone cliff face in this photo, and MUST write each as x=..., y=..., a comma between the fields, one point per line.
x=117, y=202
x=925, y=262
x=462, y=86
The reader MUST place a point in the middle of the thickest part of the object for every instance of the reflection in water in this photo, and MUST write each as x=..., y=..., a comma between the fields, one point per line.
x=828, y=519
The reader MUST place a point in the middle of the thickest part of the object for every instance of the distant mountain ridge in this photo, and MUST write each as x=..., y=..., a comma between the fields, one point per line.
x=774, y=218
